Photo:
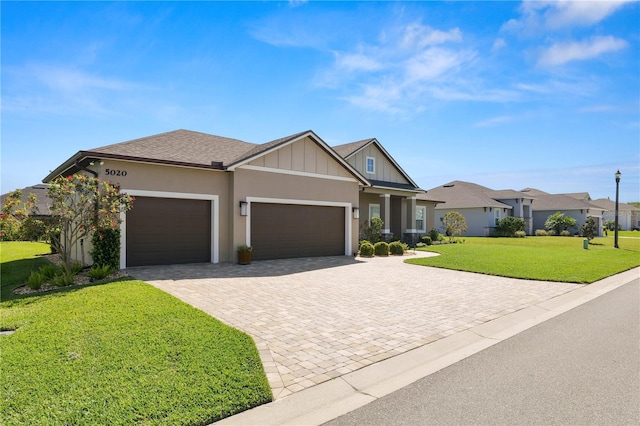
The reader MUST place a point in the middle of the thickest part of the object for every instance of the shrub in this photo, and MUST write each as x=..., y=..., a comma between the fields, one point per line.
x=435, y=235
x=372, y=230
x=565, y=233
x=559, y=222
x=520, y=234
x=541, y=233
x=589, y=228
x=508, y=226
x=64, y=278
x=76, y=267
x=106, y=247
x=35, y=280
x=381, y=248
x=421, y=245
x=551, y=233
x=48, y=271
x=98, y=272
x=426, y=239
x=397, y=248
x=366, y=249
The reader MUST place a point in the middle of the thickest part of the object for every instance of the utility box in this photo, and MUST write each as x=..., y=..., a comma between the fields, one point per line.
x=585, y=244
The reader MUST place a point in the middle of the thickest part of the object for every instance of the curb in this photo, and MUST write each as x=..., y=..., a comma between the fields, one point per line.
x=329, y=400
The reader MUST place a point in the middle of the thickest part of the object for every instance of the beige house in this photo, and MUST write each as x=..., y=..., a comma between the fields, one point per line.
x=199, y=196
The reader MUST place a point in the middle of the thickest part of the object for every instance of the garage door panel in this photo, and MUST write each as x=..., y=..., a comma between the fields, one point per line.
x=288, y=230
x=163, y=231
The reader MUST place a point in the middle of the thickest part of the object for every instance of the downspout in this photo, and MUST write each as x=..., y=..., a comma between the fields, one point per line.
x=95, y=174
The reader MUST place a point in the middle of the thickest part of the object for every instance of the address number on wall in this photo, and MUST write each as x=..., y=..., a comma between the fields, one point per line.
x=114, y=172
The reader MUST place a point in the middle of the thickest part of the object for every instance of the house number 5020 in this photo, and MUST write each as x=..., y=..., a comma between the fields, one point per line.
x=113, y=172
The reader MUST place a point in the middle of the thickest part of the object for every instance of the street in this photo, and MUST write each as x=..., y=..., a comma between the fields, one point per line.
x=582, y=367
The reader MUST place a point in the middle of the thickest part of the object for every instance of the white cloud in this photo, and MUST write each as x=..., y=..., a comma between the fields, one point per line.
x=356, y=62
x=562, y=53
x=539, y=15
x=498, y=44
x=419, y=36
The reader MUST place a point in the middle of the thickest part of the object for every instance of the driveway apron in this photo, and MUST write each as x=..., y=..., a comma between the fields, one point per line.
x=314, y=319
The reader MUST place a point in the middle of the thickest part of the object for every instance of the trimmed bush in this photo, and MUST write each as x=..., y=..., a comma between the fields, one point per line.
x=106, y=247
x=551, y=233
x=381, y=249
x=35, y=280
x=397, y=248
x=520, y=234
x=508, y=226
x=541, y=233
x=565, y=233
x=426, y=239
x=366, y=249
x=434, y=234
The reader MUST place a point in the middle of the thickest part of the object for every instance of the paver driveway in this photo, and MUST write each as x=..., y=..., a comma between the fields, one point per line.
x=314, y=319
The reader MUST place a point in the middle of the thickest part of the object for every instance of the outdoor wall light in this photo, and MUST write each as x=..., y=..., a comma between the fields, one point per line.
x=356, y=212
x=243, y=208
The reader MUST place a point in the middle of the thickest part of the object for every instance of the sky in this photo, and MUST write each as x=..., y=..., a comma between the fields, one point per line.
x=508, y=95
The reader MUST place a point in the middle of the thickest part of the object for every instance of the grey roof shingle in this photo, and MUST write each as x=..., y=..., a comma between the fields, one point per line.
x=181, y=146
x=460, y=194
x=609, y=205
x=347, y=149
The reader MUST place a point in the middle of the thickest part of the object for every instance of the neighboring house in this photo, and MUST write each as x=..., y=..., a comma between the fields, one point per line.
x=576, y=206
x=405, y=209
x=482, y=207
x=628, y=215
x=199, y=196
x=43, y=202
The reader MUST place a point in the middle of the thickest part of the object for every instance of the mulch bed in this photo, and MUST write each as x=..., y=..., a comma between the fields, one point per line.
x=82, y=278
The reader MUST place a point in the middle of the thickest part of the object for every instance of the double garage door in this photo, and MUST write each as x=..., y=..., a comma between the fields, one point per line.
x=165, y=231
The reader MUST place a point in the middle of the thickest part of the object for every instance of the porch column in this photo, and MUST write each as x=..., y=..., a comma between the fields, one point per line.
x=411, y=215
x=385, y=212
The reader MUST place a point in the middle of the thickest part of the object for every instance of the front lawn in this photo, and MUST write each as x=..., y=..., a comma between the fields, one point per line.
x=538, y=258
x=122, y=353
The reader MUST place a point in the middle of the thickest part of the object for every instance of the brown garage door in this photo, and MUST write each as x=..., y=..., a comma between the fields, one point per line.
x=165, y=231
x=281, y=231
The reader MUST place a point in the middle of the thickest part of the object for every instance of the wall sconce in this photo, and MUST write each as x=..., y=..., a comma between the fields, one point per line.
x=243, y=208
x=356, y=212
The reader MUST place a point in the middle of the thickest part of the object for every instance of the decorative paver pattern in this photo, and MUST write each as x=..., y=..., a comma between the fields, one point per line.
x=314, y=319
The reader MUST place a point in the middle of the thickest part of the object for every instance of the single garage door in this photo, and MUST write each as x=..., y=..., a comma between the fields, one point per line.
x=281, y=231
x=166, y=231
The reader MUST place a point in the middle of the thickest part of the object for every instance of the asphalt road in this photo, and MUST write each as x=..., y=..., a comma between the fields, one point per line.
x=580, y=368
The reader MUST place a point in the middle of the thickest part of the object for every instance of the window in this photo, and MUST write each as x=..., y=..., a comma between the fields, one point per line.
x=374, y=211
x=421, y=215
x=371, y=165
x=497, y=215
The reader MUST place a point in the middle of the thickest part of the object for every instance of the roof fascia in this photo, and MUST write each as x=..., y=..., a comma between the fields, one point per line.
x=296, y=138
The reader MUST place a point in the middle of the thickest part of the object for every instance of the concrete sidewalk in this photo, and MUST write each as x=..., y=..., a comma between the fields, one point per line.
x=331, y=399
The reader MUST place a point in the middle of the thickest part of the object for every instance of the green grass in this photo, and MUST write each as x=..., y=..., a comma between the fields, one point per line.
x=122, y=353
x=17, y=260
x=538, y=258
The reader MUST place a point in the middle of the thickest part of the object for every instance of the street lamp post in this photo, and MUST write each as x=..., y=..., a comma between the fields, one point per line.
x=615, y=240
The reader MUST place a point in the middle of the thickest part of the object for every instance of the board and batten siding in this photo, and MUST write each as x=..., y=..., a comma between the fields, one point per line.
x=385, y=170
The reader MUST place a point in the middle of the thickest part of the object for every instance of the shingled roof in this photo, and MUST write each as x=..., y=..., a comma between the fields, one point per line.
x=460, y=195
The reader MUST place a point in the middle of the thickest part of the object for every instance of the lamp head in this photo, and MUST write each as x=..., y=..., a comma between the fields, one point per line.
x=618, y=174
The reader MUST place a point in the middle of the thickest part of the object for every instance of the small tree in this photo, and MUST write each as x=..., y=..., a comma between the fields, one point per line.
x=372, y=231
x=508, y=226
x=589, y=229
x=453, y=224
x=559, y=222
x=14, y=213
x=81, y=205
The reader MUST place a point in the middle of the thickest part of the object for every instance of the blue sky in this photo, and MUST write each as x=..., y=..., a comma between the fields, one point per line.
x=504, y=94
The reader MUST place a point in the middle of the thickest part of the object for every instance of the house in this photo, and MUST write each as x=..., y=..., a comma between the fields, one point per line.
x=406, y=210
x=199, y=196
x=482, y=207
x=43, y=202
x=628, y=215
x=577, y=206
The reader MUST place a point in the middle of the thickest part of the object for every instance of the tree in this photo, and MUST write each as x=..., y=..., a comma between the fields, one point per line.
x=559, y=222
x=15, y=214
x=611, y=225
x=372, y=231
x=589, y=229
x=508, y=226
x=80, y=206
x=454, y=224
